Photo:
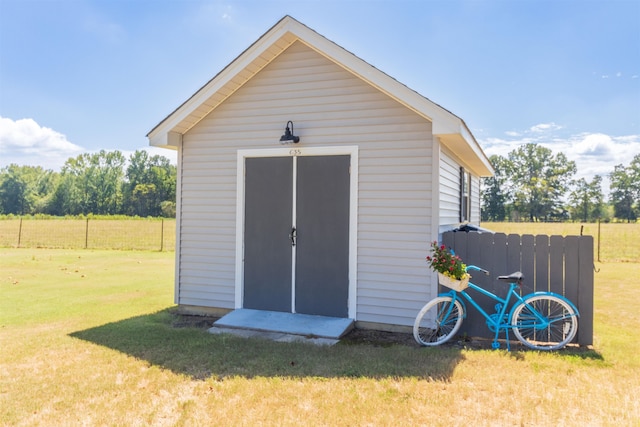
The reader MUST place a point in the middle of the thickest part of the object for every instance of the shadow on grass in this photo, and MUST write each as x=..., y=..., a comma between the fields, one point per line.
x=567, y=353
x=194, y=352
x=519, y=351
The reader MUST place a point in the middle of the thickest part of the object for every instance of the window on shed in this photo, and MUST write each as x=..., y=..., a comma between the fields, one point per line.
x=465, y=198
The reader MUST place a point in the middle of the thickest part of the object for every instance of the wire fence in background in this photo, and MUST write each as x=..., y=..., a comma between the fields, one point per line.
x=124, y=234
x=613, y=242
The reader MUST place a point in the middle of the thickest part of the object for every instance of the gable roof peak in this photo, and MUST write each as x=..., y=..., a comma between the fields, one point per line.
x=451, y=130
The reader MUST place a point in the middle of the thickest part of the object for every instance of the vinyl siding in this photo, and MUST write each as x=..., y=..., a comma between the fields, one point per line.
x=475, y=200
x=450, y=193
x=329, y=107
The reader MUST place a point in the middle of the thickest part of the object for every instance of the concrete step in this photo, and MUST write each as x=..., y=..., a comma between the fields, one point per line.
x=310, y=327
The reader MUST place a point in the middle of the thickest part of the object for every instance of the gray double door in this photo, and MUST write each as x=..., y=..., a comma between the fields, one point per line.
x=296, y=236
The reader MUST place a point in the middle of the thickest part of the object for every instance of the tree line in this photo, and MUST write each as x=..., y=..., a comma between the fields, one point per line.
x=531, y=183
x=104, y=183
x=534, y=184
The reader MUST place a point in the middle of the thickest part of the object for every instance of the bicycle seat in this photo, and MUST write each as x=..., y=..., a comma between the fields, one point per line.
x=516, y=277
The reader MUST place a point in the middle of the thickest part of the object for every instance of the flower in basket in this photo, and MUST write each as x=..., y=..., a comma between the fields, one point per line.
x=446, y=262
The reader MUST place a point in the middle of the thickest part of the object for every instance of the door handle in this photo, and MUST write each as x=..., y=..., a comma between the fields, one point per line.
x=293, y=236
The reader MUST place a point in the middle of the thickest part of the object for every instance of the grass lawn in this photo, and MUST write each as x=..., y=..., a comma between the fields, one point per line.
x=89, y=338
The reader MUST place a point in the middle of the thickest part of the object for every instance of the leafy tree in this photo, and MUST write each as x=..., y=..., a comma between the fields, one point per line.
x=143, y=198
x=539, y=179
x=90, y=183
x=13, y=189
x=587, y=199
x=64, y=200
x=150, y=182
x=26, y=189
x=168, y=209
x=494, y=193
x=625, y=190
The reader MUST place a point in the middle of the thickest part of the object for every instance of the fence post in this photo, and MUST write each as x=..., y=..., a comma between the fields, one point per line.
x=598, y=239
x=161, y=234
x=86, y=234
x=20, y=232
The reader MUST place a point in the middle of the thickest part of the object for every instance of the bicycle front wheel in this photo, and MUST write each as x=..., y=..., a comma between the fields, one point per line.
x=544, y=322
x=438, y=321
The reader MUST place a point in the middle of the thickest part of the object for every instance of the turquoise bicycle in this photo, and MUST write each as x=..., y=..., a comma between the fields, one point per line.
x=540, y=320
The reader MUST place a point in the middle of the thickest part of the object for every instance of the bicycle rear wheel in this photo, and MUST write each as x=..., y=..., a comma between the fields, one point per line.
x=544, y=322
x=438, y=321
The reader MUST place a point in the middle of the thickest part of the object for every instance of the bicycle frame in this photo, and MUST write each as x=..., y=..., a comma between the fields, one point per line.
x=495, y=322
x=500, y=320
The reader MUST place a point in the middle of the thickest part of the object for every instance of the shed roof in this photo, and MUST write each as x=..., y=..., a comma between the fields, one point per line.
x=449, y=128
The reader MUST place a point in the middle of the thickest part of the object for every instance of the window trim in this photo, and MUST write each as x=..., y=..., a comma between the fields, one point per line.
x=465, y=195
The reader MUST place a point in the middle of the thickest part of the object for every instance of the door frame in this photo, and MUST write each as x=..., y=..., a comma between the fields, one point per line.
x=289, y=151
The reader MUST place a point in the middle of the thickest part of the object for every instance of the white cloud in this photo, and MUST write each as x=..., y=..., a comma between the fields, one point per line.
x=595, y=144
x=25, y=142
x=209, y=16
x=105, y=30
x=545, y=127
x=597, y=153
x=593, y=153
x=226, y=16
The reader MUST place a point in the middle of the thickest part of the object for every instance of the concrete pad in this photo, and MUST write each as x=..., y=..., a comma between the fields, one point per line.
x=305, y=325
x=272, y=336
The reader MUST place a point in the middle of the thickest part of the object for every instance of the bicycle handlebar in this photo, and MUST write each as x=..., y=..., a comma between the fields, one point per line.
x=476, y=268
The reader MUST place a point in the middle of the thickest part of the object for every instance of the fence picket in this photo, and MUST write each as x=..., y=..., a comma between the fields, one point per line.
x=514, y=251
x=542, y=263
x=584, y=299
x=527, y=261
x=562, y=264
x=556, y=264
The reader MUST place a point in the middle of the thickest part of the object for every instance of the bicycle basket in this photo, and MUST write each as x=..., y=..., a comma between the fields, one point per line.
x=456, y=285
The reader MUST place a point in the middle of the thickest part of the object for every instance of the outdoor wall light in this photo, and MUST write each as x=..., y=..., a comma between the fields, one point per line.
x=288, y=136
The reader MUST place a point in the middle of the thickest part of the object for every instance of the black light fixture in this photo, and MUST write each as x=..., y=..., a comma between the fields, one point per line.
x=288, y=136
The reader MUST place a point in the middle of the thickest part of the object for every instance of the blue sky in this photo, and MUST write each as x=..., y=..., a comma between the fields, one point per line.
x=84, y=75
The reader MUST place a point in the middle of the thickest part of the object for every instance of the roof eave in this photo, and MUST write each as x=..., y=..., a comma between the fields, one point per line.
x=283, y=34
x=171, y=140
x=451, y=130
x=462, y=142
x=275, y=36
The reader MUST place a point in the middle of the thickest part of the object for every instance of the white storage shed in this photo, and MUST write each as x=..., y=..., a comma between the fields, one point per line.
x=337, y=224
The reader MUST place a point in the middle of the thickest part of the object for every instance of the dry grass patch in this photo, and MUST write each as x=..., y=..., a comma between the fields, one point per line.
x=105, y=349
x=71, y=233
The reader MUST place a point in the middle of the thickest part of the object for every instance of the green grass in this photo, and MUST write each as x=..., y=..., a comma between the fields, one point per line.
x=88, y=337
